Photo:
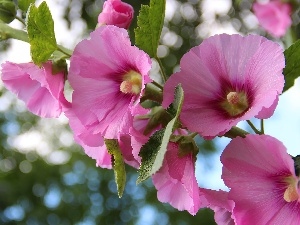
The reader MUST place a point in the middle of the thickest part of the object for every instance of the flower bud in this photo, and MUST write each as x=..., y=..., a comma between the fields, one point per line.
x=7, y=11
x=116, y=12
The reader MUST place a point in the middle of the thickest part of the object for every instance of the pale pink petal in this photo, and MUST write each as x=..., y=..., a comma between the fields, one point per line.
x=41, y=91
x=274, y=16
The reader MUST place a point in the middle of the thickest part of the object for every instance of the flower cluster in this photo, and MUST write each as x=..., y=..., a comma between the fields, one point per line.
x=226, y=79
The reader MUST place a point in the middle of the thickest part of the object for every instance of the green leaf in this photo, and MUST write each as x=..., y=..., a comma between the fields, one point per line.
x=40, y=27
x=154, y=150
x=24, y=4
x=7, y=11
x=113, y=149
x=150, y=22
x=292, y=65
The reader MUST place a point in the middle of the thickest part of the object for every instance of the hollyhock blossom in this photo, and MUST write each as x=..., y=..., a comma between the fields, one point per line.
x=116, y=12
x=219, y=202
x=262, y=181
x=176, y=182
x=227, y=79
x=41, y=91
x=274, y=16
x=108, y=76
x=94, y=146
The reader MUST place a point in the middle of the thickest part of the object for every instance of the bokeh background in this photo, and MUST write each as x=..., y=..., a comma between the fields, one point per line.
x=45, y=178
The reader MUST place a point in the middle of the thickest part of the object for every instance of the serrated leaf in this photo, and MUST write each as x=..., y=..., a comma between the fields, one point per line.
x=154, y=150
x=292, y=65
x=150, y=22
x=40, y=28
x=24, y=4
x=113, y=149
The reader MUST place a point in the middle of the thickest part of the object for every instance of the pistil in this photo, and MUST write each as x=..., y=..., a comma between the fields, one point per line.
x=132, y=83
x=235, y=103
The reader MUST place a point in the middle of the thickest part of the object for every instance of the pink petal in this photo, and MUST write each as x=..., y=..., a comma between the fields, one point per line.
x=274, y=16
x=252, y=64
x=41, y=91
x=96, y=67
x=178, y=189
x=255, y=168
x=116, y=12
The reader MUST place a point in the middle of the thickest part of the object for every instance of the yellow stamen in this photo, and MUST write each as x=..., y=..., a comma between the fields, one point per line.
x=291, y=193
x=132, y=83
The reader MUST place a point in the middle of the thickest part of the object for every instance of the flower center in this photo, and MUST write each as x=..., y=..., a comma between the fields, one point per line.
x=291, y=192
x=132, y=83
x=235, y=103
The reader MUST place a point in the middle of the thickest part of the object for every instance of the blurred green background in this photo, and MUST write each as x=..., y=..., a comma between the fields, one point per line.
x=45, y=178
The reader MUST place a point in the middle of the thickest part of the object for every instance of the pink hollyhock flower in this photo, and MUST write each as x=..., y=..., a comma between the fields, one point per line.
x=176, y=182
x=219, y=202
x=274, y=16
x=41, y=91
x=227, y=79
x=94, y=146
x=116, y=12
x=108, y=76
x=262, y=181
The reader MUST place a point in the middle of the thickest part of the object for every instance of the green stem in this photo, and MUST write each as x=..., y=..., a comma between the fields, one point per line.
x=289, y=38
x=235, y=132
x=192, y=135
x=152, y=93
x=21, y=20
x=157, y=85
x=262, y=128
x=64, y=50
x=163, y=74
x=253, y=127
x=7, y=32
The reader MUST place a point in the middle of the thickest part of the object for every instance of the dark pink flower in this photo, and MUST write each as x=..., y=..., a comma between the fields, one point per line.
x=108, y=76
x=227, y=79
x=116, y=12
x=262, y=181
x=274, y=16
x=219, y=202
x=176, y=182
x=41, y=91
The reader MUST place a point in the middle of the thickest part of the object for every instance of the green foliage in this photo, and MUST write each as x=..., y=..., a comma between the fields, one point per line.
x=154, y=150
x=40, y=27
x=150, y=22
x=7, y=11
x=113, y=149
x=24, y=4
x=292, y=67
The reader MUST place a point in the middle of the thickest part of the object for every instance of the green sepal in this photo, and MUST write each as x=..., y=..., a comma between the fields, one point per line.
x=154, y=150
x=150, y=22
x=118, y=164
x=292, y=65
x=157, y=117
x=40, y=28
x=186, y=146
x=8, y=11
